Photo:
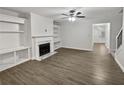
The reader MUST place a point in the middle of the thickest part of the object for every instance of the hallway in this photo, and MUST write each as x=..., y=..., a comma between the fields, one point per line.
x=68, y=67
x=100, y=48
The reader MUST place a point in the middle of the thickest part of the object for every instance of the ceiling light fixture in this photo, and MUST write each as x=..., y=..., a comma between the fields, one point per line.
x=72, y=19
x=69, y=18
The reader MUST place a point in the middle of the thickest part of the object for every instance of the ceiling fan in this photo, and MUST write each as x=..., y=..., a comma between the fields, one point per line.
x=72, y=15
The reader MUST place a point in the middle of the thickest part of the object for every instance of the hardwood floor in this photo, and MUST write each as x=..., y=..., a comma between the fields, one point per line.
x=68, y=67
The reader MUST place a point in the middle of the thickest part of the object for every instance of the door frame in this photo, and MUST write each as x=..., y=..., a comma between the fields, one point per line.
x=108, y=24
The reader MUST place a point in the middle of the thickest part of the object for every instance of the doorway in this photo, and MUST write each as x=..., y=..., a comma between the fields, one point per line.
x=101, y=34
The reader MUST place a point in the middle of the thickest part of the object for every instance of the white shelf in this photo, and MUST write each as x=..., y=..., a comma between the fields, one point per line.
x=3, y=51
x=42, y=36
x=11, y=19
x=13, y=57
x=11, y=31
x=13, y=50
x=57, y=41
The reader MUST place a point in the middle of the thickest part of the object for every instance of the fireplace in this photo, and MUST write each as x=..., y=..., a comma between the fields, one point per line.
x=44, y=49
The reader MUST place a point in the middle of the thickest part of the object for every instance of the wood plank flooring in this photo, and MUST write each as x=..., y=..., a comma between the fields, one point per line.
x=67, y=67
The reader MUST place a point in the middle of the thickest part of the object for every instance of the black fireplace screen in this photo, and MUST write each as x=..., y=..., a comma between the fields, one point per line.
x=44, y=49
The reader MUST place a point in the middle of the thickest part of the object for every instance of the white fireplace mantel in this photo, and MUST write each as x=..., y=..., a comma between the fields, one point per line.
x=36, y=41
x=42, y=36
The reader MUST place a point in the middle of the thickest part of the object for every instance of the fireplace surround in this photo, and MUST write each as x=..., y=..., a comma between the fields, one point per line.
x=39, y=43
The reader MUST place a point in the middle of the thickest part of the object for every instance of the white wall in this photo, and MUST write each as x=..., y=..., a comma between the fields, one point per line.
x=119, y=55
x=115, y=26
x=39, y=24
x=77, y=35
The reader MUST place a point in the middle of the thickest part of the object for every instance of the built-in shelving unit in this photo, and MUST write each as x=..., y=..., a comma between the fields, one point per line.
x=57, y=39
x=11, y=31
x=13, y=49
x=12, y=57
x=3, y=51
x=11, y=19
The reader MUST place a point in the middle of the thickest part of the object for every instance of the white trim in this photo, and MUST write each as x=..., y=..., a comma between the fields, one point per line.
x=40, y=36
x=116, y=60
x=11, y=31
x=98, y=24
x=117, y=37
x=121, y=67
x=3, y=51
x=77, y=48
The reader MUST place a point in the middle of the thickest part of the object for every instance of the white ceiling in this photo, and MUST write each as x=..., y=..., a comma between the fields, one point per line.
x=55, y=12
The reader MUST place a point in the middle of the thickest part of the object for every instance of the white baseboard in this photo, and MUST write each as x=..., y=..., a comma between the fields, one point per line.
x=117, y=61
x=122, y=68
x=113, y=55
x=77, y=48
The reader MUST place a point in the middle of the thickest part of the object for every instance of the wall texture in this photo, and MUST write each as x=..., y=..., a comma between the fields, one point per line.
x=77, y=34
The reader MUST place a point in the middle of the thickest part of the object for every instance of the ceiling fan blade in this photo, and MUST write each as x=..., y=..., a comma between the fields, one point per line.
x=78, y=13
x=72, y=11
x=80, y=16
x=65, y=14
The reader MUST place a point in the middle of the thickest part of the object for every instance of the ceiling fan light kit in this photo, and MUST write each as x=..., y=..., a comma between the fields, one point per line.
x=73, y=15
x=72, y=19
